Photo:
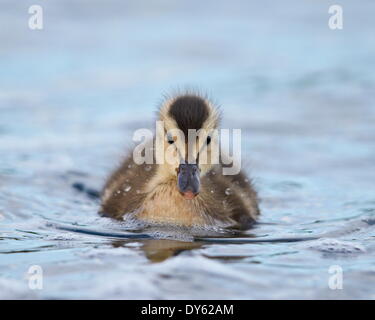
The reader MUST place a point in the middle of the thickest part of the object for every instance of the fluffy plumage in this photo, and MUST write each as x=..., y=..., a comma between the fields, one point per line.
x=150, y=192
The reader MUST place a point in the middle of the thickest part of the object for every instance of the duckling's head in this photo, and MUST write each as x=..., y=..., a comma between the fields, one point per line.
x=191, y=140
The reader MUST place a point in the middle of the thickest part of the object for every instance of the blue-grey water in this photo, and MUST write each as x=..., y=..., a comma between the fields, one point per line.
x=72, y=94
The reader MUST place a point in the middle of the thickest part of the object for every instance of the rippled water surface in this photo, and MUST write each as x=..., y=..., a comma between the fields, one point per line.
x=72, y=94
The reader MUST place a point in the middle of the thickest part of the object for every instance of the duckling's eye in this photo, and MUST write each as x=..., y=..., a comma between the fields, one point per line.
x=170, y=140
x=208, y=140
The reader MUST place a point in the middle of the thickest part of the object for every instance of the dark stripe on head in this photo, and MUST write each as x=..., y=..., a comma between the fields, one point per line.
x=190, y=112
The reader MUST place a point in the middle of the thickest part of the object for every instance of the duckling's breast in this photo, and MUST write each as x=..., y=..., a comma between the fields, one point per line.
x=165, y=205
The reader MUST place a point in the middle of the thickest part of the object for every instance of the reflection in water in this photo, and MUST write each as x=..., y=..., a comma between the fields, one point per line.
x=159, y=250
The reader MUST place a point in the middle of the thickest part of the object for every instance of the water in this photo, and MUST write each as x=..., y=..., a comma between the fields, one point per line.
x=72, y=94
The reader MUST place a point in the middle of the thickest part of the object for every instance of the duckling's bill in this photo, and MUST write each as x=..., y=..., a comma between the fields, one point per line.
x=188, y=180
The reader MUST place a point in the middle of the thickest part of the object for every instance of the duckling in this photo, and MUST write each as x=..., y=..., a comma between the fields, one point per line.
x=182, y=193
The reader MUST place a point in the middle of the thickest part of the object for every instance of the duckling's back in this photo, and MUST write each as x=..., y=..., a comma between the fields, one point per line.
x=124, y=191
x=230, y=198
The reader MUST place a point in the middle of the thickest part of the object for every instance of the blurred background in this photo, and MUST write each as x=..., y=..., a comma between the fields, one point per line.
x=72, y=94
x=97, y=66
